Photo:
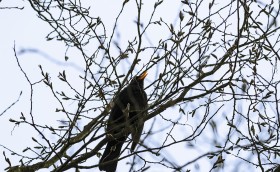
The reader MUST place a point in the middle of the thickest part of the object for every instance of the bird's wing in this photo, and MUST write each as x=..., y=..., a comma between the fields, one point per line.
x=136, y=131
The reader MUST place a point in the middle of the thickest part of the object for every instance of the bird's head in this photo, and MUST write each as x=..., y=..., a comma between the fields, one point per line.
x=139, y=80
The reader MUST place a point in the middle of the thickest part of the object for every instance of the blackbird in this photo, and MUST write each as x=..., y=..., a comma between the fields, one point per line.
x=126, y=118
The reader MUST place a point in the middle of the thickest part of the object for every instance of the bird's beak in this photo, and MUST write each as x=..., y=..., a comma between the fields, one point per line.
x=143, y=75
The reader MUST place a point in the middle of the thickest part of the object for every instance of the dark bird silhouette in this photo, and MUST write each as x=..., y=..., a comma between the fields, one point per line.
x=126, y=118
x=277, y=169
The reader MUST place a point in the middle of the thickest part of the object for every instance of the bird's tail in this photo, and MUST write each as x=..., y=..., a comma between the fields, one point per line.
x=112, y=152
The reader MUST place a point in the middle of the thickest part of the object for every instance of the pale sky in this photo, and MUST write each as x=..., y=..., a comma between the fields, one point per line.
x=24, y=29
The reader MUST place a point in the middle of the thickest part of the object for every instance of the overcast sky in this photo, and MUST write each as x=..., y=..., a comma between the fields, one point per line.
x=24, y=30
